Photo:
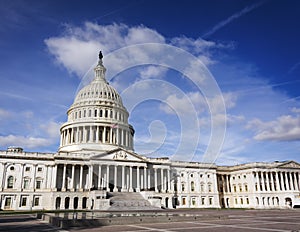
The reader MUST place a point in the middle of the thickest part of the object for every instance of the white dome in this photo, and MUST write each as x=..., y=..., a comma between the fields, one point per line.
x=97, y=120
x=98, y=90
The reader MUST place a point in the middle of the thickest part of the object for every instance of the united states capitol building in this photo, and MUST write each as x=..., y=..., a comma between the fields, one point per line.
x=96, y=168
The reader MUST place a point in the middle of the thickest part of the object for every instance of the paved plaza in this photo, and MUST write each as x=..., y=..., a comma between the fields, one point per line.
x=230, y=220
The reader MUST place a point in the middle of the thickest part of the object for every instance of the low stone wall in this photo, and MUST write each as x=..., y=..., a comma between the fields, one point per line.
x=67, y=222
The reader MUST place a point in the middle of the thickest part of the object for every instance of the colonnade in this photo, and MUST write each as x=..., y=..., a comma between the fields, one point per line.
x=112, y=178
x=224, y=183
x=277, y=181
x=96, y=134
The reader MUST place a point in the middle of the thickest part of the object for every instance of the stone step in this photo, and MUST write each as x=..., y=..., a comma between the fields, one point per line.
x=129, y=201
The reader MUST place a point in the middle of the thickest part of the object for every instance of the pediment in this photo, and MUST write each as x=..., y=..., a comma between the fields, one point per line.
x=289, y=164
x=119, y=155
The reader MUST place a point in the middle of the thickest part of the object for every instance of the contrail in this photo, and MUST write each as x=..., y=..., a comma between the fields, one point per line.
x=232, y=17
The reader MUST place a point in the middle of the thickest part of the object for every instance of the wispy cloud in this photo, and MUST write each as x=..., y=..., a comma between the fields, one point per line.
x=294, y=67
x=235, y=16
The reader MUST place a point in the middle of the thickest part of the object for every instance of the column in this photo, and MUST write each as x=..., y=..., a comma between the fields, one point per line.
x=169, y=181
x=257, y=182
x=272, y=182
x=123, y=179
x=295, y=182
x=227, y=184
x=54, y=177
x=117, y=136
x=155, y=180
x=110, y=135
x=34, y=176
x=107, y=178
x=130, y=179
x=145, y=178
x=80, y=178
x=72, y=179
x=127, y=138
x=72, y=134
x=287, y=181
x=277, y=181
x=97, y=134
x=267, y=181
x=91, y=173
x=137, y=179
x=99, y=174
x=291, y=181
x=298, y=180
x=104, y=135
x=63, y=186
x=91, y=139
x=263, y=182
x=283, y=188
x=84, y=134
x=149, y=179
x=223, y=182
x=122, y=137
x=47, y=179
x=115, y=179
x=77, y=134
x=162, y=184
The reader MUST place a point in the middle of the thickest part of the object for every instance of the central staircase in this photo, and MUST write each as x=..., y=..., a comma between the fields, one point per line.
x=126, y=201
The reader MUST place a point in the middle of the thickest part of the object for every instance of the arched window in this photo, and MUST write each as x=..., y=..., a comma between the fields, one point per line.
x=202, y=187
x=10, y=182
x=209, y=187
x=182, y=187
x=192, y=186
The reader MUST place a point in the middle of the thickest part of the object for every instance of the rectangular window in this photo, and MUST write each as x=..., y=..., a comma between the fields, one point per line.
x=36, y=201
x=193, y=201
x=202, y=200
x=26, y=184
x=183, y=201
x=38, y=184
x=7, y=202
x=23, y=201
x=210, y=201
x=39, y=169
x=27, y=169
x=182, y=188
x=209, y=188
x=247, y=201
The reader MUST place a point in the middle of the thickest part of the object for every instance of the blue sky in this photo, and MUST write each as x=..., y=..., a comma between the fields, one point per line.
x=249, y=48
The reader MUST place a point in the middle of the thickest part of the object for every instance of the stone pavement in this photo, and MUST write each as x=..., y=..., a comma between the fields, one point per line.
x=237, y=220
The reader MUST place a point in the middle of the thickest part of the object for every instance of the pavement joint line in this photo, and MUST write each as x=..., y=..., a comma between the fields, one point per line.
x=196, y=227
x=245, y=227
x=256, y=228
x=150, y=229
x=271, y=222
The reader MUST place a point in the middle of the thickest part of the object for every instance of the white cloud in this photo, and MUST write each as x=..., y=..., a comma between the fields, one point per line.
x=284, y=128
x=23, y=141
x=235, y=16
x=52, y=129
x=185, y=104
x=295, y=110
x=4, y=113
x=75, y=49
x=153, y=72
